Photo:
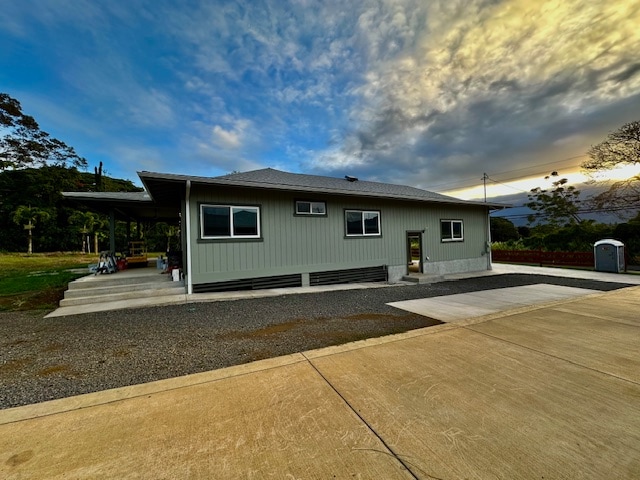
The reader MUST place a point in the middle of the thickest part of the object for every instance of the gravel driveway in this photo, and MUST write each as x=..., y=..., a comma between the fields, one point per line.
x=43, y=359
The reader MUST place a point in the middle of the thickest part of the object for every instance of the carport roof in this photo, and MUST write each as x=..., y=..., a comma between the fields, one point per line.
x=126, y=205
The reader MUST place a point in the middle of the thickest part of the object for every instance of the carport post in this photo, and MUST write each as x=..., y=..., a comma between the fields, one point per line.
x=112, y=230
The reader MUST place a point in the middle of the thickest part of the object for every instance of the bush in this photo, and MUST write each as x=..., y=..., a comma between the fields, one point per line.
x=509, y=245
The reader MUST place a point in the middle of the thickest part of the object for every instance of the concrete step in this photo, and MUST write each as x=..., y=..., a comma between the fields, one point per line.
x=129, y=295
x=422, y=278
x=114, y=279
x=101, y=289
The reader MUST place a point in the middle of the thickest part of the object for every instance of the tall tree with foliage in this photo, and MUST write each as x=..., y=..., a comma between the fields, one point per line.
x=85, y=223
x=101, y=223
x=559, y=206
x=503, y=230
x=24, y=144
x=41, y=187
x=621, y=147
x=28, y=216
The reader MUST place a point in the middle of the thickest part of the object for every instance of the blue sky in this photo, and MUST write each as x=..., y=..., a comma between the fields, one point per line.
x=425, y=93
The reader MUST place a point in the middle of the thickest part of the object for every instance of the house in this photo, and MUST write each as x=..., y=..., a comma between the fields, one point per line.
x=268, y=228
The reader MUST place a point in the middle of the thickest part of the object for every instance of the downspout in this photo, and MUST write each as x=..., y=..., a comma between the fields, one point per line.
x=488, y=247
x=188, y=230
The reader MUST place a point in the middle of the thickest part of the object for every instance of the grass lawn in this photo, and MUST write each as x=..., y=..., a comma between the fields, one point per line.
x=38, y=281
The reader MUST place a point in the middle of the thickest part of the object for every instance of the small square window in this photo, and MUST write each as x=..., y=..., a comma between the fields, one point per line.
x=451, y=231
x=362, y=223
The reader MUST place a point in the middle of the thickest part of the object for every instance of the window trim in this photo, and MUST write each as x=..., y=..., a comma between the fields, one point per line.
x=310, y=213
x=362, y=213
x=232, y=235
x=451, y=223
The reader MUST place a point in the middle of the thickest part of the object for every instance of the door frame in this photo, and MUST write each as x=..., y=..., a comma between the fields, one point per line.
x=417, y=234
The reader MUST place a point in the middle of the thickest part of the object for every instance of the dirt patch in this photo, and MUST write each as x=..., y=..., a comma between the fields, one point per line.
x=342, y=327
x=53, y=347
x=277, y=328
x=377, y=316
x=19, y=458
x=14, y=366
x=18, y=342
x=48, y=299
x=123, y=352
x=54, y=369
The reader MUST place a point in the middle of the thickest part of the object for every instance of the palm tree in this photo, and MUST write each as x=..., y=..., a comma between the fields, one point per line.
x=99, y=225
x=85, y=222
x=29, y=216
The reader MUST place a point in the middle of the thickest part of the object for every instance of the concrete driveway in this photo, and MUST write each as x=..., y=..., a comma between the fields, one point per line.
x=545, y=391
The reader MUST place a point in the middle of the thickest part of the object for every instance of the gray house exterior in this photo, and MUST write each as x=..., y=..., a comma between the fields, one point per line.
x=268, y=228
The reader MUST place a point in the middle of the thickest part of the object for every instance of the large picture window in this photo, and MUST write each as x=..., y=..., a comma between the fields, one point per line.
x=451, y=230
x=362, y=223
x=229, y=221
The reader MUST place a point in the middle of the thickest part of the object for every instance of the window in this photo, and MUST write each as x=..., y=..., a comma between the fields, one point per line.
x=359, y=223
x=228, y=221
x=304, y=207
x=451, y=230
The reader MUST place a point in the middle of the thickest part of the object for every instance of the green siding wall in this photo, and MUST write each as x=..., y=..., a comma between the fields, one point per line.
x=300, y=244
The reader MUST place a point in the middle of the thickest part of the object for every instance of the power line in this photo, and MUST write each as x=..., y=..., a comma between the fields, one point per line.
x=460, y=184
x=599, y=186
x=505, y=185
x=537, y=215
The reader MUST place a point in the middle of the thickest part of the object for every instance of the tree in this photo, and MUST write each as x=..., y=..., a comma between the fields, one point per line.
x=621, y=147
x=41, y=187
x=524, y=231
x=23, y=144
x=29, y=216
x=169, y=231
x=99, y=226
x=503, y=230
x=559, y=206
x=85, y=223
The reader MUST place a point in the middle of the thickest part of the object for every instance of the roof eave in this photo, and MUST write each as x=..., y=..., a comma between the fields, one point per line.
x=107, y=196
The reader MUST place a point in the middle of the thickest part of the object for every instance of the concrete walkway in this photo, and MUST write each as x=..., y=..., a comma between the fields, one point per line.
x=460, y=307
x=545, y=391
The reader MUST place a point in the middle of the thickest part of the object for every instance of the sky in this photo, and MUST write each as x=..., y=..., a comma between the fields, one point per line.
x=432, y=94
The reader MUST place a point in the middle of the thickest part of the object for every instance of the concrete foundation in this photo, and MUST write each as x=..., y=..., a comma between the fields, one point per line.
x=456, y=266
x=396, y=272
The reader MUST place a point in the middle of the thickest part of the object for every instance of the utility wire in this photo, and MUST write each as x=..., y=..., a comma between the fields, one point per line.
x=462, y=183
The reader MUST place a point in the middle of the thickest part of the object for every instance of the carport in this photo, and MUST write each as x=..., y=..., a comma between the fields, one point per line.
x=128, y=207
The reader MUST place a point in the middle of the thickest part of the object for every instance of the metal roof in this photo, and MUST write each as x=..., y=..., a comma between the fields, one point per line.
x=117, y=196
x=126, y=205
x=161, y=185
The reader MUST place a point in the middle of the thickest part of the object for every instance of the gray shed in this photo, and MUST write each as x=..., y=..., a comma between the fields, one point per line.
x=609, y=256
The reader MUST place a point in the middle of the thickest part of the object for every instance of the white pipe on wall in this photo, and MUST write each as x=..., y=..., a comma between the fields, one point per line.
x=187, y=228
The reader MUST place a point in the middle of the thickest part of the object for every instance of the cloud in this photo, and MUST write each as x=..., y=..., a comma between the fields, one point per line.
x=232, y=138
x=483, y=82
x=408, y=91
